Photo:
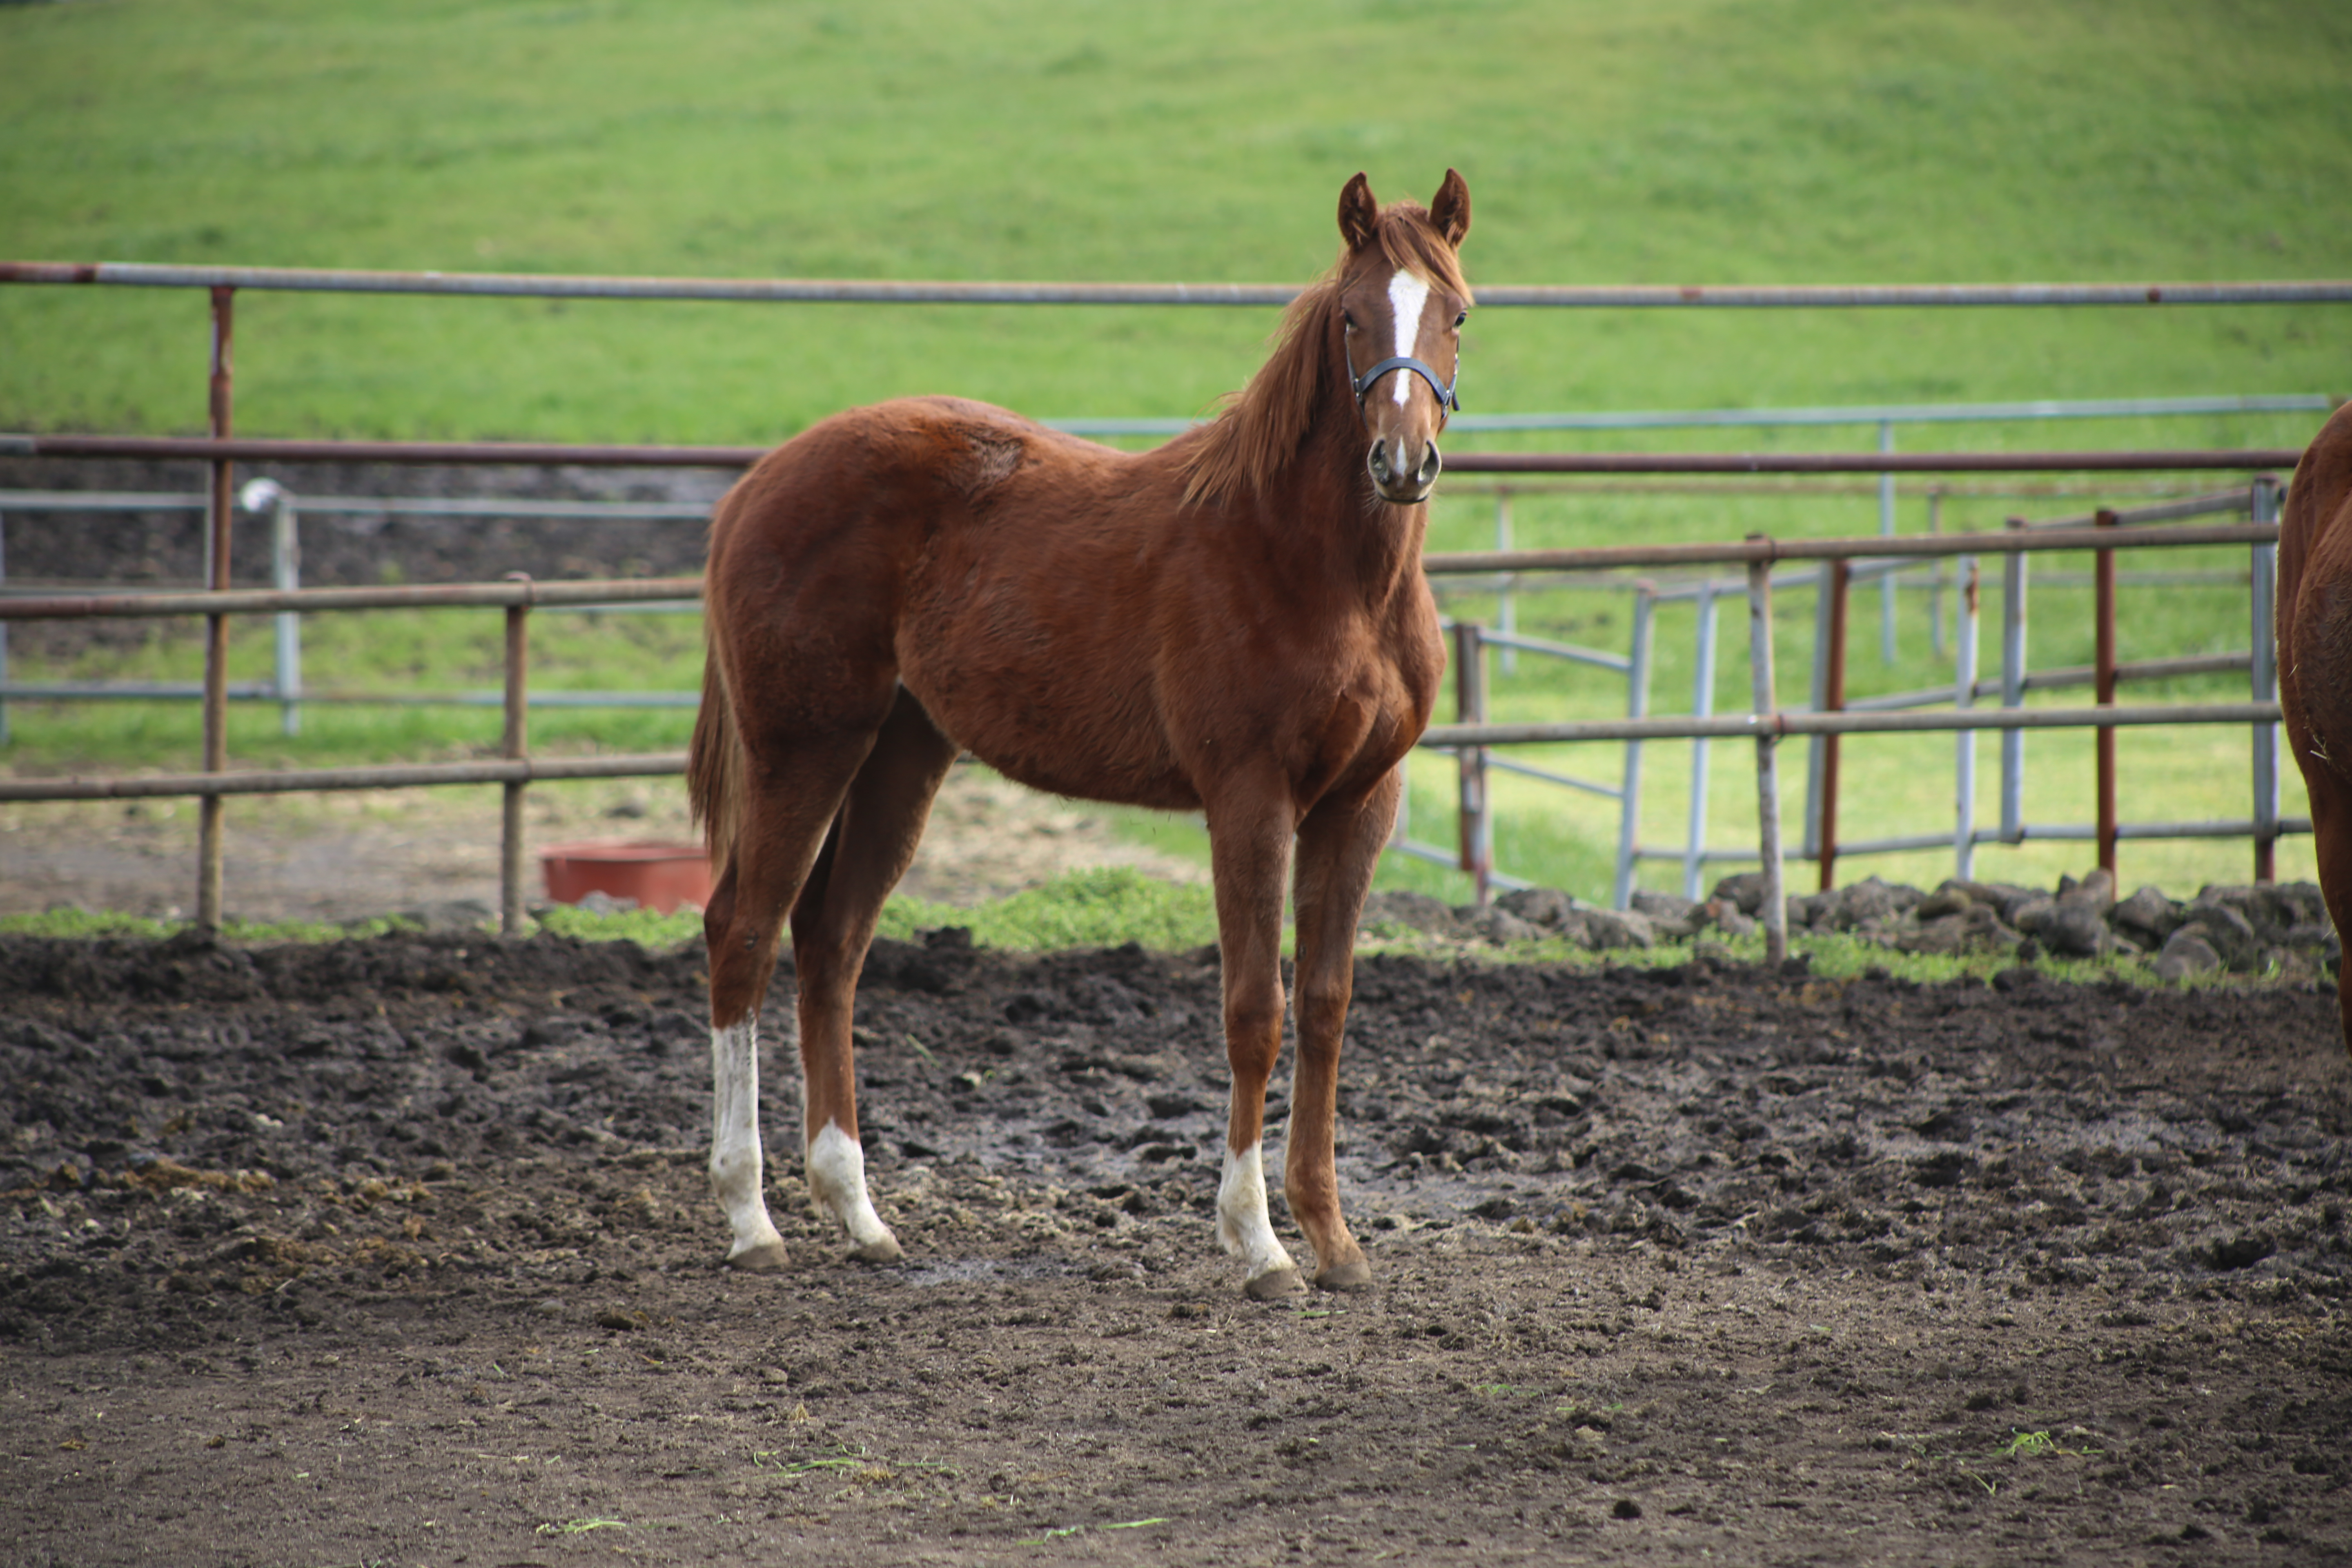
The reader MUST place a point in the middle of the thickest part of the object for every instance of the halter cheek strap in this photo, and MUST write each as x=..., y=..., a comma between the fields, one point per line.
x=1444, y=389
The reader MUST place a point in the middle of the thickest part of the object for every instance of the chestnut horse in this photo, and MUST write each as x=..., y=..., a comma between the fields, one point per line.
x=1235, y=624
x=2314, y=660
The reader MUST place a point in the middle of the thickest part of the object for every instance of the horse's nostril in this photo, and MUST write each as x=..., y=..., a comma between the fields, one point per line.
x=1430, y=465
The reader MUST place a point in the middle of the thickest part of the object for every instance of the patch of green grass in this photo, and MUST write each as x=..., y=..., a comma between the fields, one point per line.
x=1070, y=1529
x=646, y=928
x=1099, y=907
x=75, y=924
x=1683, y=140
x=582, y=1526
x=1113, y=906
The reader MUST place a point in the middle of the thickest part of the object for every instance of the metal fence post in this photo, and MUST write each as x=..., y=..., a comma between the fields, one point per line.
x=1476, y=820
x=1702, y=705
x=286, y=574
x=1775, y=907
x=211, y=818
x=1886, y=531
x=1936, y=575
x=2263, y=507
x=1637, y=706
x=1964, y=758
x=1507, y=609
x=1817, y=694
x=1834, y=702
x=518, y=715
x=2103, y=676
x=2012, y=693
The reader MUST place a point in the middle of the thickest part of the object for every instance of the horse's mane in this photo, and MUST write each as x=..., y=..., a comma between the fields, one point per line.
x=1261, y=426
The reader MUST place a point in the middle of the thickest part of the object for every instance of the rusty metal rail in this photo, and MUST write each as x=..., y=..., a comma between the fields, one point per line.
x=393, y=776
x=514, y=592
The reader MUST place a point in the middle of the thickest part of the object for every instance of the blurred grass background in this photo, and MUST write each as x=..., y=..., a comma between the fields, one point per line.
x=1687, y=141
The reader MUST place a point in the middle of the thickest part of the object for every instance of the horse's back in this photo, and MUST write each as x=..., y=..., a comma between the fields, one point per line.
x=1002, y=572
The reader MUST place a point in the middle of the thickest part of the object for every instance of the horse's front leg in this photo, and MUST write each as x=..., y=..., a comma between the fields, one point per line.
x=1339, y=849
x=1249, y=853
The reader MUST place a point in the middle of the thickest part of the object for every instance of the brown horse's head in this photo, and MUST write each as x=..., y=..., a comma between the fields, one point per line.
x=1402, y=301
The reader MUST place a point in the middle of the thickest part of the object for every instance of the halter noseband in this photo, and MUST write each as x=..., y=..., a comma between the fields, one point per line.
x=1447, y=401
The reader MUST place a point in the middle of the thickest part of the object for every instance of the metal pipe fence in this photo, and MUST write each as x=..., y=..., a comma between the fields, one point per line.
x=514, y=772
x=221, y=450
x=1474, y=736
x=1830, y=716
x=282, y=507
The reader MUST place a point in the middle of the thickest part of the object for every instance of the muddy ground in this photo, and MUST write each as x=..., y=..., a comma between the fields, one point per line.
x=400, y=1251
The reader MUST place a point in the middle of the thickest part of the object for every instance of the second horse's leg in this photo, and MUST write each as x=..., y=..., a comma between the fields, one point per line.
x=881, y=821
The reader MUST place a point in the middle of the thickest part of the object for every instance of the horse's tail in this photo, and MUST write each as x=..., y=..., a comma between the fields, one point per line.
x=714, y=759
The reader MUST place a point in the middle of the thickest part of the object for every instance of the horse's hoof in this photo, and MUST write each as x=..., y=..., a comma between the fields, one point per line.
x=1274, y=1284
x=765, y=1258
x=1353, y=1275
x=885, y=1250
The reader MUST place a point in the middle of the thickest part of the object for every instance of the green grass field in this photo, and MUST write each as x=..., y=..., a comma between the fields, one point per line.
x=1678, y=142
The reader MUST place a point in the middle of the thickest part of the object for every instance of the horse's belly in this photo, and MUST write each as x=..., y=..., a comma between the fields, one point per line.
x=1040, y=729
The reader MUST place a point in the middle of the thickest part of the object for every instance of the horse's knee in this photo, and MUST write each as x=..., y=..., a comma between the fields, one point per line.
x=1253, y=1034
x=1322, y=1012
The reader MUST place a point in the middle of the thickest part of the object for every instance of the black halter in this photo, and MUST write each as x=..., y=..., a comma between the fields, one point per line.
x=1447, y=401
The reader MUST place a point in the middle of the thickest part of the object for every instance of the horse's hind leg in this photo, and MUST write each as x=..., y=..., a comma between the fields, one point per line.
x=787, y=807
x=833, y=924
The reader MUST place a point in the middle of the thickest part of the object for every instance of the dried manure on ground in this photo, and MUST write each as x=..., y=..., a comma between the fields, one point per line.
x=401, y=1249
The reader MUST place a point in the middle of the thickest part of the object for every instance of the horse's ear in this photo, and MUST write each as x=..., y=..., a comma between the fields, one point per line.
x=1359, y=213
x=1450, y=211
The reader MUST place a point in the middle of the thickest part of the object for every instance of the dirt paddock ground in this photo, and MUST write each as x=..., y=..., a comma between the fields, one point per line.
x=400, y=1251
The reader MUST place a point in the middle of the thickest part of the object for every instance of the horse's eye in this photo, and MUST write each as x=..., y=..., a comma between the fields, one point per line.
x=1347, y=319
x=1460, y=318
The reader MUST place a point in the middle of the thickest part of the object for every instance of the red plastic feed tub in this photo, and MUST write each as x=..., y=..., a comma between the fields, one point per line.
x=659, y=877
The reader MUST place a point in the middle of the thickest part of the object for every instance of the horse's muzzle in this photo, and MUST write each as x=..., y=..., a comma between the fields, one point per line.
x=1398, y=476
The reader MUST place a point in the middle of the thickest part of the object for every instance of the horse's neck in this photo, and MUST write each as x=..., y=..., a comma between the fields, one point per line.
x=1367, y=544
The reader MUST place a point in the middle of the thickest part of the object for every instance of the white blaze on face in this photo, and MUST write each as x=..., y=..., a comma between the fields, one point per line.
x=1407, y=296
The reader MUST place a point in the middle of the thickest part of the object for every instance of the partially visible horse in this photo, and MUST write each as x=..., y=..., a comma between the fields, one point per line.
x=1234, y=623
x=2315, y=659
